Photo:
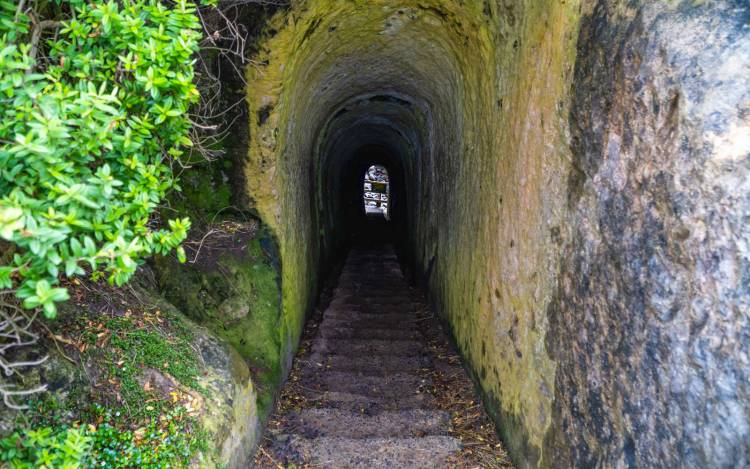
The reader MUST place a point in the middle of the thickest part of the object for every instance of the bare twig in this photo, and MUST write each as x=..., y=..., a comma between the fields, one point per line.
x=16, y=334
x=270, y=458
x=9, y=392
x=36, y=33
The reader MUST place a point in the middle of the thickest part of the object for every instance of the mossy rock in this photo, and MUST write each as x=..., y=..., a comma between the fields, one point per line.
x=231, y=286
x=135, y=359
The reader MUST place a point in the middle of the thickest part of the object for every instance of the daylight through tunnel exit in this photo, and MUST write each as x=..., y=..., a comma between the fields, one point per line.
x=376, y=191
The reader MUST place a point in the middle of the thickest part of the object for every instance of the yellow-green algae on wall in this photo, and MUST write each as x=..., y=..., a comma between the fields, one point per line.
x=492, y=79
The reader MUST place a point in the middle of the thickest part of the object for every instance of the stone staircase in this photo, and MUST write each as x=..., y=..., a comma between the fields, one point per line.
x=363, y=385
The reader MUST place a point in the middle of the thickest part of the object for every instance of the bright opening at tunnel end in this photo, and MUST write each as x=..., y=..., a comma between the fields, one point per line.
x=376, y=191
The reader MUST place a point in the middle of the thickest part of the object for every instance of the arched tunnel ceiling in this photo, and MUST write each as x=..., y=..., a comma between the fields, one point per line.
x=409, y=53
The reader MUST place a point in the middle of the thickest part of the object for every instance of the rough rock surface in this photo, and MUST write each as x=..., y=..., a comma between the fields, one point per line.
x=230, y=286
x=230, y=416
x=650, y=326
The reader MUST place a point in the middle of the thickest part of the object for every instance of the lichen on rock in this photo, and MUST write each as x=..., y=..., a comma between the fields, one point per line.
x=648, y=322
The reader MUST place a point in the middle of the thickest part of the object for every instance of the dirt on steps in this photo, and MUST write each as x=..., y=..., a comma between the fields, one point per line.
x=376, y=384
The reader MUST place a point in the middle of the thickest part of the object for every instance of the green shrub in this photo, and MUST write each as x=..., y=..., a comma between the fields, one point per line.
x=165, y=442
x=88, y=136
x=46, y=447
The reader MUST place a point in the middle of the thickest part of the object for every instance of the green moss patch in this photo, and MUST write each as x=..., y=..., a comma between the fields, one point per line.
x=125, y=389
x=230, y=285
x=205, y=191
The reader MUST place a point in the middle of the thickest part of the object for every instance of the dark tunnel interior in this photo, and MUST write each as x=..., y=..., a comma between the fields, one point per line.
x=377, y=129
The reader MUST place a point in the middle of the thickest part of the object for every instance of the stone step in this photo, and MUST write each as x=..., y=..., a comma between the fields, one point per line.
x=369, y=261
x=381, y=277
x=371, y=322
x=374, y=271
x=371, y=365
x=371, y=267
x=313, y=423
x=376, y=308
x=368, y=333
x=394, y=385
x=374, y=287
x=366, y=346
x=373, y=255
x=400, y=308
x=375, y=453
x=375, y=300
x=374, y=282
x=354, y=297
x=388, y=278
x=354, y=315
x=367, y=404
x=368, y=291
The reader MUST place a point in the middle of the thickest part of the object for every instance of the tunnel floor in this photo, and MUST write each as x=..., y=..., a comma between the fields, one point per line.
x=376, y=383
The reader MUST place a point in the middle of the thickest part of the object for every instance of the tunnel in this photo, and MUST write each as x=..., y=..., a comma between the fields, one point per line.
x=551, y=164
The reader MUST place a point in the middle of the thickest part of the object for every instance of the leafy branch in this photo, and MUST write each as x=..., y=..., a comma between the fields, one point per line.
x=94, y=112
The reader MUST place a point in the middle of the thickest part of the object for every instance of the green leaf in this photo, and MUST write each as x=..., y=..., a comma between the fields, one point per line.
x=10, y=221
x=90, y=247
x=71, y=267
x=76, y=247
x=59, y=294
x=5, y=277
x=181, y=255
x=50, y=310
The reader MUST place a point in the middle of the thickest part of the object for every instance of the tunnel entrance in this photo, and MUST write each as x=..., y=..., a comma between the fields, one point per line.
x=552, y=165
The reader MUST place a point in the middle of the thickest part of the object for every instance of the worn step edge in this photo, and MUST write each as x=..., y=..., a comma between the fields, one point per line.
x=366, y=346
x=393, y=385
x=368, y=404
x=376, y=365
x=376, y=453
x=369, y=333
x=317, y=422
x=364, y=321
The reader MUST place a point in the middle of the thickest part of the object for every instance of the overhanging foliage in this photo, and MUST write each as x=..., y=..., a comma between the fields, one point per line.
x=93, y=112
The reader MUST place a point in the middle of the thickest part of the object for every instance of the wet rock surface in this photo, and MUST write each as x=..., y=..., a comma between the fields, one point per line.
x=360, y=402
